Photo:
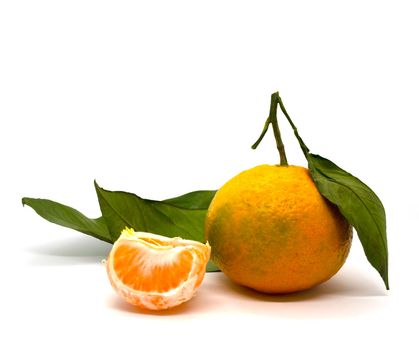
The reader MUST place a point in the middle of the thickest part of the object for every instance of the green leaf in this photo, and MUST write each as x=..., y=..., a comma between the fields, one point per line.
x=182, y=216
x=193, y=200
x=358, y=204
x=355, y=200
x=63, y=215
x=211, y=267
x=171, y=218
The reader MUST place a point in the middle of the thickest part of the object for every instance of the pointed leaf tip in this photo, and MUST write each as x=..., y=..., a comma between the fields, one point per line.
x=66, y=216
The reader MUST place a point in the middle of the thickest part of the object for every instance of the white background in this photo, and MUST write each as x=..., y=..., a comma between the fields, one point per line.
x=165, y=97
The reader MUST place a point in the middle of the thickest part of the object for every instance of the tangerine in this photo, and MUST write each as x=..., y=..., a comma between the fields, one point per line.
x=271, y=230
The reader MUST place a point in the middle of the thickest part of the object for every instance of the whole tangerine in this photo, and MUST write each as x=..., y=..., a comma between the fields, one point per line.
x=271, y=230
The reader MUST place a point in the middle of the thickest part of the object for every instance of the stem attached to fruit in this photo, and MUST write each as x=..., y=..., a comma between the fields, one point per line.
x=272, y=119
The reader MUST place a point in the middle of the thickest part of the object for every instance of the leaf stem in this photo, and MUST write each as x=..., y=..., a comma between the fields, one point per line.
x=300, y=141
x=265, y=129
x=274, y=121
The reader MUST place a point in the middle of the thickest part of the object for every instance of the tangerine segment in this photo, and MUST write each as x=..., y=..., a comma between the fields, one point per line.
x=156, y=272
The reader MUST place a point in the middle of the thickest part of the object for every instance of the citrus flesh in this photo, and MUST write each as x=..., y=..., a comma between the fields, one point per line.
x=156, y=272
x=271, y=230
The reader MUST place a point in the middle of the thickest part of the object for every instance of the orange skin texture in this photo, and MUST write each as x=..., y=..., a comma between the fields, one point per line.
x=271, y=230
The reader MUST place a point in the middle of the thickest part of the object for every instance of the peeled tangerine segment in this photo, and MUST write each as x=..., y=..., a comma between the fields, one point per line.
x=156, y=272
